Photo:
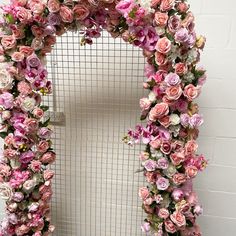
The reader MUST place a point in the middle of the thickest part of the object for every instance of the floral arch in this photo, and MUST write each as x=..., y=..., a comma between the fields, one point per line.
x=164, y=30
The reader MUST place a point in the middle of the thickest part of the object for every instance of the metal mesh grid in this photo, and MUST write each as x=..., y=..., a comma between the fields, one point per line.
x=98, y=88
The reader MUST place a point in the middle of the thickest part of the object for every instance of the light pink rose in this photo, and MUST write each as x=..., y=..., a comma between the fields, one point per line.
x=158, y=111
x=174, y=92
x=166, y=147
x=53, y=5
x=178, y=218
x=26, y=50
x=143, y=193
x=166, y=5
x=163, y=45
x=165, y=121
x=80, y=12
x=22, y=230
x=191, y=147
x=160, y=59
x=182, y=7
x=154, y=3
x=5, y=170
x=169, y=226
x=35, y=165
x=8, y=42
x=38, y=112
x=191, y=92
x=23, y=14
x=161, y=18
x=48, y=174
x=6, y=100
x=191, y=171
x=29, y=185
x=42, y=146
x=163, y=213
x=177, y=158
x=48, y=158
x=145, y=104
x=17, y=56
x=37, y=7
x=24, y=88
x=19, y=2
x=179, y=178
x=66, y=14
x=180, y=68
x=162, y=183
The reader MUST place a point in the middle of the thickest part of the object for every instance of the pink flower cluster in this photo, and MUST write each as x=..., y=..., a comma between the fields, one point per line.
x=170, y=160
x=164, y=30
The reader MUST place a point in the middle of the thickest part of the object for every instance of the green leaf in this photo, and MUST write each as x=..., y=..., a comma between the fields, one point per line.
x=3, y=134
x=46, y=123
x=10, y=19
x=44, y=108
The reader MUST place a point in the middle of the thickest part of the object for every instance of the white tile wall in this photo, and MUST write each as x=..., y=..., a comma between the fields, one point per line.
x=217, y=185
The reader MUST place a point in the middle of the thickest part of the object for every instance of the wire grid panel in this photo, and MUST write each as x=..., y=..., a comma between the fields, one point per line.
x=98, y=88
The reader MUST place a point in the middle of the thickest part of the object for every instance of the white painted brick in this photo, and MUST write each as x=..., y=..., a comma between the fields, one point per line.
x=209, y=26
x=218, y=204
x=225, y=152
x=218, y=122
x=218, y=93
x=232, y=37
x=213, y=226
x=215, y=179
x=206, y=147
x=196, y=6
x=217, y=7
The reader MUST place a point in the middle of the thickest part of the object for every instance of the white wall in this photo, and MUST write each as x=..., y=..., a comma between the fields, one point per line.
x=217, y=185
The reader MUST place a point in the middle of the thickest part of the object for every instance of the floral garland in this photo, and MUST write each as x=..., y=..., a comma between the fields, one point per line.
x=164, y=29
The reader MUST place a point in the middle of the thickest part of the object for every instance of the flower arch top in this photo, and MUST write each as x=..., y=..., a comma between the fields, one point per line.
x=164, y=29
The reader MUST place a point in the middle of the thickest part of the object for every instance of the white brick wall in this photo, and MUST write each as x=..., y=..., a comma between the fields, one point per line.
x=217, y=185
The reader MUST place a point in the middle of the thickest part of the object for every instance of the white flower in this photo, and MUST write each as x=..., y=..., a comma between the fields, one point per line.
x=28, y=104
x=5, y=191
x=152, y=96
x=174, y=119
x=5, y=77
x=146, y=4
x=29, y=185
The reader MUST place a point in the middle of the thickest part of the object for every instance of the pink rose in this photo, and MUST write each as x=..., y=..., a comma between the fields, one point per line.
x=19, y=2
x=177, y=158
x=66, y=14
x=161, y=18
x=48, y=158
x=179, y=178
x=191, y=92
x=166, y=147
x=163, y=45
x=143, y=193
x=172, y=79
x=158, y=111
x=191, y=171
x=191, y=147
x=169, y=226
x=80, y=12
x=23, y=14
x=22, y=230
x=33, y=61
x=163, y=213
x=48, y=174
x=165, y=121
x=17, y=56
x=37, y=7
x=24, y=88
x=174, y=92
x=160, y=59
x=177, y=194
x=26, y=50
x=174, y=23
x=42, y=146
x=180, y=68
x=37, y=31
x=166, y=5
x=154, y=3
x=5, y=170
x=146, y=227
x=53, y=5
x=38, y=112
x=35, y=165
x=8, y=42
x=145, y=104
x=182, y=7
x=178, y=218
